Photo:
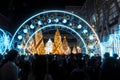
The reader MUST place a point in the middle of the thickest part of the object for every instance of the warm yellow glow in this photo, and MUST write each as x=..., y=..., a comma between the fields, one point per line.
x=57, y=46
x=78, y=49
x=74, y=51
x=36, y=45
x=66, y=48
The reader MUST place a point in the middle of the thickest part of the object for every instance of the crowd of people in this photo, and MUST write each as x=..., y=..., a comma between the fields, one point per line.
x=59, y=67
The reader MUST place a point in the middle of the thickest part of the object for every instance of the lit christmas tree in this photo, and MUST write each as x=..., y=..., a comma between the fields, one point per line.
x=66, y=49
x=79, y=49
x=74, y=50
x=49, y=46
x=41, y=48
x=57, y=46
x=30, y=46
x=39, y=43
x=36, y=44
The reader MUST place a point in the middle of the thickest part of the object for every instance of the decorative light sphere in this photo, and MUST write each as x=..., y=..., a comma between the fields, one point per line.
x=31, y=26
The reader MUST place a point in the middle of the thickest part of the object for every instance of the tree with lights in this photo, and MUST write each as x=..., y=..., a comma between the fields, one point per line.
x=57, y=46
x=49, y=46
x=39, y=46
x=74, y=50
x=66, y=48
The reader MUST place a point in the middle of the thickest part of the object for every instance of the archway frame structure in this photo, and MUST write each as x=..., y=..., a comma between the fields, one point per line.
x=60, y=19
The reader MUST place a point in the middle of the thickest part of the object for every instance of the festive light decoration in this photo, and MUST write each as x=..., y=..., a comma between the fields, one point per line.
x=74, y=50
x=19, y=37
x=5, y=38
x=57, y=46
x=36, y=45
x=58, y=18
x=79, y=26
x=49, y=47
x=31, y=37
x=31, y=26
x=79, y=50
x=66, y=48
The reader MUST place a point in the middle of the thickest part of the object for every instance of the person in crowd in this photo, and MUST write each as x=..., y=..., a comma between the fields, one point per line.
x=110, y=68
x=9, y=70
x=78, y=74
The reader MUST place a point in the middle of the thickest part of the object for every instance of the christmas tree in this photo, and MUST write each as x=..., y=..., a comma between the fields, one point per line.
x=49, y=46
x=39, y=43
x=57, y=46
x=74, y=50
x=66, y=49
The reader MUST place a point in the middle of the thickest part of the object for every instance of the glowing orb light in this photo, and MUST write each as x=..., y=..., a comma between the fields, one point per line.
x=31, y=26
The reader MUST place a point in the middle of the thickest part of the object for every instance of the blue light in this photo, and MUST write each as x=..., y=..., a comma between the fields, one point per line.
x=70, y=24
x=31, y=26
x=91, y=55
x=85, y=31
x=119, y=26
x=19, y=37
x=6, y=40
x=49, y=21
x=79, y=26
x=39, y=22
x=64, y=21
x=91, y=46
x=25, y=30
x=3, y=45
x=19, y=46
x=56, y=20
x=91, y=37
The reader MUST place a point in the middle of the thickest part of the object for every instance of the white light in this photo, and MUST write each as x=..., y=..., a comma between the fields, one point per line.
x=19, y=46
x=64, y=20
x=85, y=31
x=91, y=37
x=49, y=21
x=56, y=20
x=91, y=54
x=39, y=22
x=70, y=24
x=31, y=26
x=79, y=26
x=19, y=37
x=91, y=46
x=25, y=30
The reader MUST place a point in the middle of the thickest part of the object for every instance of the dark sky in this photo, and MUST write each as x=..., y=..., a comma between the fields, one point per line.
x=24, y=6
x=19, y=10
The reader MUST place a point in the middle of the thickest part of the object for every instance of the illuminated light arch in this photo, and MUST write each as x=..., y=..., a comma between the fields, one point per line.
x=5, y=38
x=71, y=19
x=54, y=26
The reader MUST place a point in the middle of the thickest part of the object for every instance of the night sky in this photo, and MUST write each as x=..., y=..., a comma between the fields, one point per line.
x=19, y=10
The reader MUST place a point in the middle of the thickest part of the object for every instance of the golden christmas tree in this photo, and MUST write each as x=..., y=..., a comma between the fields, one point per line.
x=41, y=48
x=30, y=46
x=66, y=49
x=57, y=46
x=36, y=44
x=79, y=50
x=39, y=43
x=74, y=50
